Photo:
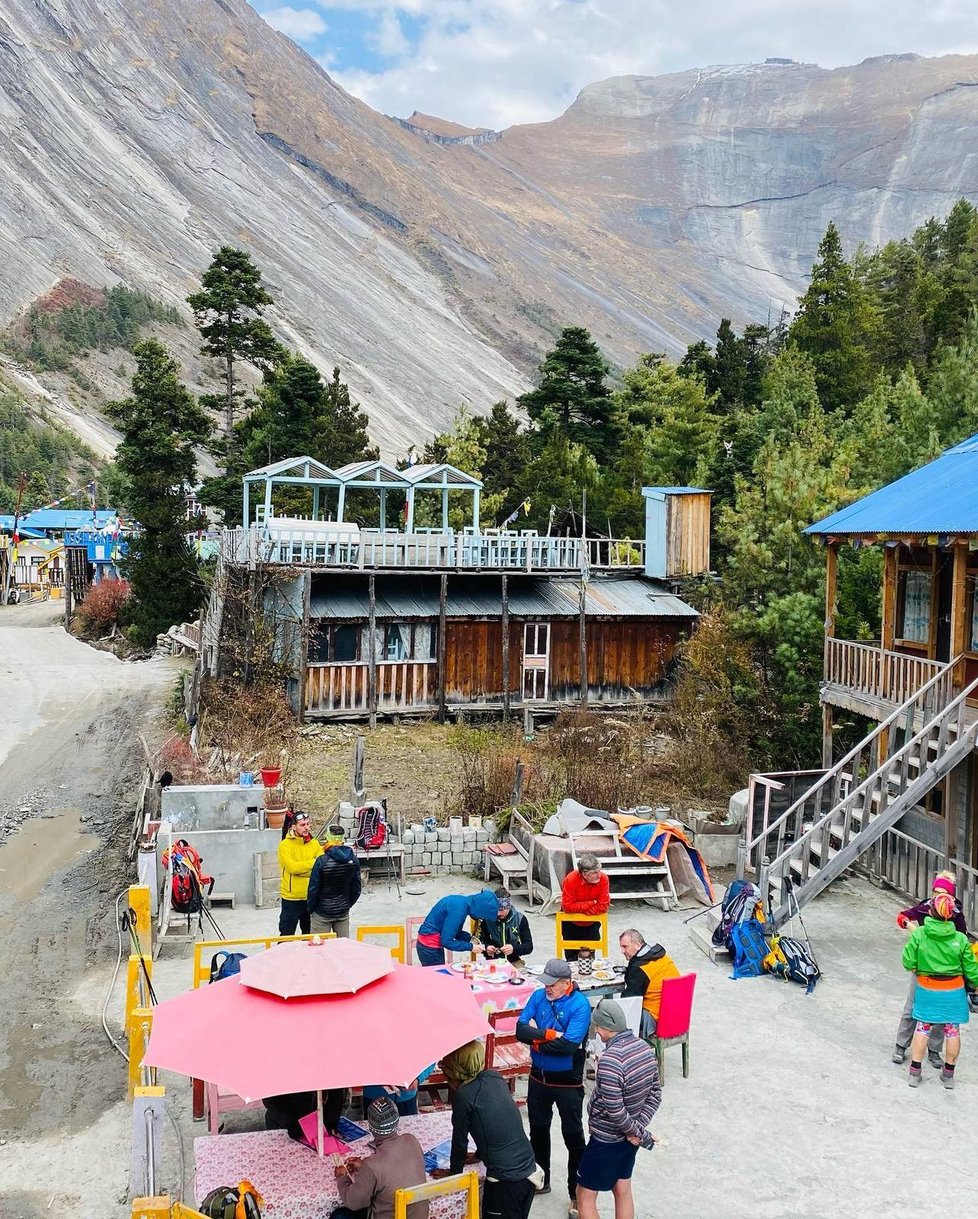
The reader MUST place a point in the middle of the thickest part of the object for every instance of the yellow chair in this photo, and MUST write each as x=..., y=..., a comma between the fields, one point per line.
x=599, y=946
x=397, y=950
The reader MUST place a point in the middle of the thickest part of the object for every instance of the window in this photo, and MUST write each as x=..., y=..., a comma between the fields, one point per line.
x=913, y=621
x=406, y=641
x=397, y=641
x=334, y=644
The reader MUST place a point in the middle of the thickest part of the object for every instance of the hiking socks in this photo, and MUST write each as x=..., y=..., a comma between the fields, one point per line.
x=949, y=1068
x=915, y=1074
x=947, y=1075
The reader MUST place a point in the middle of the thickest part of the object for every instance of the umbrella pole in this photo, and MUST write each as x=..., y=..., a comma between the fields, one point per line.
x=319, y=1123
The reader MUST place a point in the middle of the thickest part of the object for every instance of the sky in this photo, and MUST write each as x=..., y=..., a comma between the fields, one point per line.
x=494, y=63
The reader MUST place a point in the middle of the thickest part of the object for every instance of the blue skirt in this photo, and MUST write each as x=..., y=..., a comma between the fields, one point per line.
x=940, y=1006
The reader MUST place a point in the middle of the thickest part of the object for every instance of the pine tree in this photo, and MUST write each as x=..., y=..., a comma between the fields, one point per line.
x=728, y=381
x=572, y=394
x=161, y=422
x=345, y=435
x=288, y=421
x=835, y=327
x=228, y=314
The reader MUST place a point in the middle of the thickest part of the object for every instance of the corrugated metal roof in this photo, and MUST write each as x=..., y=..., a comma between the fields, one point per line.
x=417, y=597
x=941, y=497
x=65, y=518
x=678, y=490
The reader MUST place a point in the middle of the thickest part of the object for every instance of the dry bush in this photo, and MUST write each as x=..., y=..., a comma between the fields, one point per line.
x=487, y=760
x=100, y=609
x=244, y=728
x=601, y=760
x=176, y=756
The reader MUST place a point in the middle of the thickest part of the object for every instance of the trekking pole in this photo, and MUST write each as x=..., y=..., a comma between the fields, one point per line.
x=699, y=913
x=390, y=858
x=129, y=918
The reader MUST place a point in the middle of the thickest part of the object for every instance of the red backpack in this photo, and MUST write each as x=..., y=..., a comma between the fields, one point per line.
x=371, y=827
x=186, y=877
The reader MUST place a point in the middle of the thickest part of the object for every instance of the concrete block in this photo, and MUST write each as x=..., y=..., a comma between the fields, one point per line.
x=442, y=835
x=431, y=837
x=407, y=838
x=482, y=837
x=469, y=834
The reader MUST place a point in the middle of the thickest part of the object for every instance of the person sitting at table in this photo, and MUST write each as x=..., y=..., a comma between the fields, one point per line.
x=406, y=1099
x=285, y=1111
x=584, y=891
x=483, y=1106
x=442, y=928
x=648, y=967
x=507, y=935
x=367, y=1186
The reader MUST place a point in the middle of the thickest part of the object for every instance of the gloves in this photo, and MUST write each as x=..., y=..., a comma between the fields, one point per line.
x=550, y=1035
x=902, y=921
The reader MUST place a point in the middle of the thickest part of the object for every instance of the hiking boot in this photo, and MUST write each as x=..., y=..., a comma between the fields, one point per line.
x=914, y=1079
x=947, y=1078
x=899, y=1054
x=935, y=1059
x=572, y=1211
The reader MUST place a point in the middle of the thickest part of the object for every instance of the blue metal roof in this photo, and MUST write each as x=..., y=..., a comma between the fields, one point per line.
x=677, y=490
x=66, y=518
x=941, y=497
x=7, y=526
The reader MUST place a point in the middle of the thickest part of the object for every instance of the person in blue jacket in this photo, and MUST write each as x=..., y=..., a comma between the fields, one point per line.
x=555, y=1025
x=444, y=926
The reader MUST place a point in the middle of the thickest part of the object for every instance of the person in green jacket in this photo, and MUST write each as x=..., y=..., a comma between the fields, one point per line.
x=942, y=958
x=297, y=852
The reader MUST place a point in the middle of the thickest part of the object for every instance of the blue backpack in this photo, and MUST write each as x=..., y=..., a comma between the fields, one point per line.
x=748, y=948
x=229, y=966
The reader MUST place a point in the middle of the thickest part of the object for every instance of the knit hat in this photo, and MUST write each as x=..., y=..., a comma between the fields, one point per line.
x=943, y=885
x=609, y=1015
x=942, y=906
x=382, y=1116
x=556, y=971
x=335, y=834
x=464, y=1064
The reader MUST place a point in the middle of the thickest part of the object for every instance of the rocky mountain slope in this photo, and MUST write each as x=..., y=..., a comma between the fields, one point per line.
x=140, y=134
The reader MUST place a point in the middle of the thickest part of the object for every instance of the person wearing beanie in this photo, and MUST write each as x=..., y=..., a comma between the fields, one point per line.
x=943, y=883
x=484, y=1107
x=941, y=958
x=584, y=891
x=367, y=1186
x=626, y=1097
x=444, y=923
x=507, y=936
x=555, y=1024
x=334, y=885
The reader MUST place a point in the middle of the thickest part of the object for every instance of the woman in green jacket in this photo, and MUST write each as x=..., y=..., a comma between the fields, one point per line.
x=942, y=958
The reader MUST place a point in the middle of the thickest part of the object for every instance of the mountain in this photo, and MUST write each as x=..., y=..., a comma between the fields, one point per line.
x=436, y=263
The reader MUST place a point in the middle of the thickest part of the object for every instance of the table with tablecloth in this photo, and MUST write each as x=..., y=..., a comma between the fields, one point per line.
x=294, y=1182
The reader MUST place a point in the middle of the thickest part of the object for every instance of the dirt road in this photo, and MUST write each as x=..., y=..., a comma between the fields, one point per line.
x=69, y=755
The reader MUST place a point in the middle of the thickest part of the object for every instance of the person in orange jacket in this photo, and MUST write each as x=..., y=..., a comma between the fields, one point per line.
x=584, y=891
x=297, y=852
x=649, y=965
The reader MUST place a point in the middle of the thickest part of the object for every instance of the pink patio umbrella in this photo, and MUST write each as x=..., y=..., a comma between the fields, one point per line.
x=257, y=1044
x=316, y=967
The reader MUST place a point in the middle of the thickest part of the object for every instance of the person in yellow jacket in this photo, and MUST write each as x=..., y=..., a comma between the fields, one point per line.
x=649, y=965
x=297, y=852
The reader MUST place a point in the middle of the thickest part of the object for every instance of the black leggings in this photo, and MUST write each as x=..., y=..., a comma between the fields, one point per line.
x=569, y=1100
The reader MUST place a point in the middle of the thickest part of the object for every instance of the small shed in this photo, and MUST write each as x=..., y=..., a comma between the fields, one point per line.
x=677, y=532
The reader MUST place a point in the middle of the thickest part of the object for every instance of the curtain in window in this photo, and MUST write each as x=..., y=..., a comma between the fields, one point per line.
x=398, y=641
x=424, y=641
x=916, y=607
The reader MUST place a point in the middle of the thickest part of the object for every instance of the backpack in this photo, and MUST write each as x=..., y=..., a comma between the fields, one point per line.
x=371, y=828
x=228, y=967
x=739, y=903
x=748, y=949
x=792, y=960
x=186, y=875
x=241, y=1201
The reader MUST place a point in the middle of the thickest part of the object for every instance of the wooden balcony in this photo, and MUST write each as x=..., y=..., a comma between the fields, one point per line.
x=869, y=680
x=322, y=544
x=402, y=685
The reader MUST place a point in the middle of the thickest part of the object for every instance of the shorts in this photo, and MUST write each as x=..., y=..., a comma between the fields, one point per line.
x=604, y=1164
x=950, y=1030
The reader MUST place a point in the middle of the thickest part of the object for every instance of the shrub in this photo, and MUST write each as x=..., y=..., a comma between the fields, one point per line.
x=102, y=606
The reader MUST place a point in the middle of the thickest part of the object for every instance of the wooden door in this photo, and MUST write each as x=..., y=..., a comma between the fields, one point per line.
x=536, y=662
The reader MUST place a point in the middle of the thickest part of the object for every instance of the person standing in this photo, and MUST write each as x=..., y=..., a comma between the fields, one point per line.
x=334, y=885
x=483, y=1106
x=649, y=965
x=367, y=1187
x=944, y=882
x=585, y=891
x=625, y=1099
x=507, y=936
x=297, y=852
x=941, y=957
x=555, y=1025
x=443, y=926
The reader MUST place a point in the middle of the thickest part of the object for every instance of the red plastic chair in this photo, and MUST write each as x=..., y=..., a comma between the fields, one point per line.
x=675, y=1013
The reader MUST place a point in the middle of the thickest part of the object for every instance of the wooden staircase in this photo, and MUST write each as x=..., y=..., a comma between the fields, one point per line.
x=851, y=806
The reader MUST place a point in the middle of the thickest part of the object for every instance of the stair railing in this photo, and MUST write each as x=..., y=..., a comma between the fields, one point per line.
x=829, y=788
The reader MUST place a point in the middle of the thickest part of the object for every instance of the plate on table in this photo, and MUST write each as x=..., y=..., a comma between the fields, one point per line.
x=492, y=979
x=603, y=975
x=460, y=968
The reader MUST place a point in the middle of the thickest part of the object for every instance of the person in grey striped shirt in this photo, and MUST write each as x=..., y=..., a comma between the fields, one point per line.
x=625, y=1099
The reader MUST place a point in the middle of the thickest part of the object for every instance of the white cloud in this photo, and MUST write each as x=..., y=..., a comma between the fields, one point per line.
x=498, y=62
x=303, y=25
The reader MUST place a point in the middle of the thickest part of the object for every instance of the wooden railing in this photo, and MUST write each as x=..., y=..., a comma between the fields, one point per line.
x=910, y=866
x=316, y=545
x=891, y=677
x=346, y=687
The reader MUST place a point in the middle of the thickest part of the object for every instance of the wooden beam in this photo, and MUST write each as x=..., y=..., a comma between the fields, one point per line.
x=831, y=587
x=372, y=654
x=891, y=556
x=827, y=736
x=505, y=646
x=959, y=602
x=303, y=643
x=442, y=615
x=582, y=634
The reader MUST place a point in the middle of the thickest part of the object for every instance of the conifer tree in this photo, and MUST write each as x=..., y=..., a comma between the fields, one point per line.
x=573, y=395
x=345, y=436
x=161, y=422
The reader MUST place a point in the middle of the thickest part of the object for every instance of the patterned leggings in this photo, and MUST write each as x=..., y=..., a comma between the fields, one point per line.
x=950, y=1030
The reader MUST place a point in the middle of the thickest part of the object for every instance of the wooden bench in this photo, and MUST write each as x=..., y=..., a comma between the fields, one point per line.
x=387, y=861
x=515, y=867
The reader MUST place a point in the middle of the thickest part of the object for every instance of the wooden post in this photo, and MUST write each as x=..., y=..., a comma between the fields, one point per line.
x=303, y=644
x=359, y=760
x=827, y=736
x=959, y=604
x=890, y=561
x=442, y=613
x=582, y=632
x=831, y=597
x=517, y=797
x=505, y=643
x=372, y=655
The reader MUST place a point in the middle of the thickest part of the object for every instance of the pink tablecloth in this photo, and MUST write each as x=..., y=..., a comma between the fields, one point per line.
x=499, y=997
x=294, y=1181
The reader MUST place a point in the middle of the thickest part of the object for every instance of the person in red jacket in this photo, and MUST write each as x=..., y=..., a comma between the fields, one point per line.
x=584, y=891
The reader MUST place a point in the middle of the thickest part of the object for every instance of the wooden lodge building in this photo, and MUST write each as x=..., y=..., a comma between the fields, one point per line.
x=434, y=618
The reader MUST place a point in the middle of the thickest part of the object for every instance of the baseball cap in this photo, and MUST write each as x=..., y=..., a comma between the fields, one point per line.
x=556, y=971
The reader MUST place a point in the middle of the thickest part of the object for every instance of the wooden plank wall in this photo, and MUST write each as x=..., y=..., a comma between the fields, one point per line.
x=688, y=535
x=474, y=660
x=622, y=656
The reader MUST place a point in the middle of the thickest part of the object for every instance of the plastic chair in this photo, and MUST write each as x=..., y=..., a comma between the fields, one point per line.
x=396, y=950
x=411, y=925
x=675, y=1013
x=599, y=945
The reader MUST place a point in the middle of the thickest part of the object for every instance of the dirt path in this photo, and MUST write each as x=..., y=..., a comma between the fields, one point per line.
x=69, y=756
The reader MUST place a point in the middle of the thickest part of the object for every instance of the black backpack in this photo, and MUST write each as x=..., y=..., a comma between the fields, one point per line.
x=241, y=1201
